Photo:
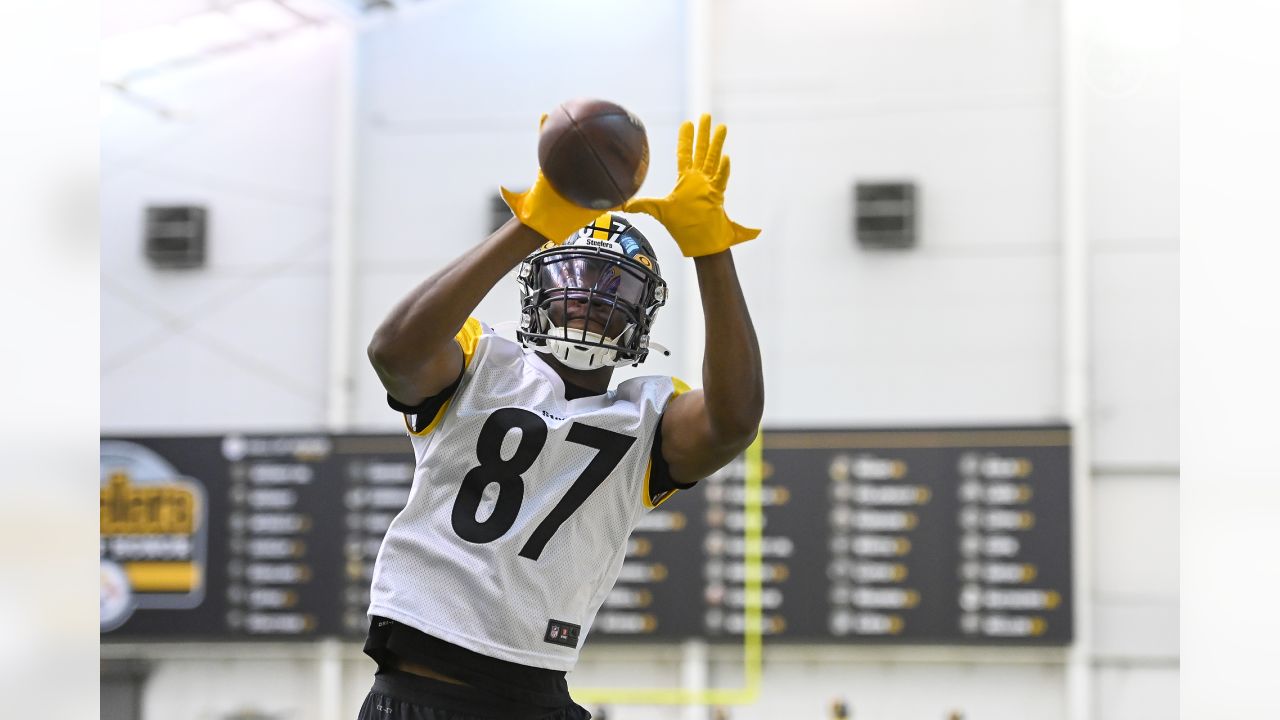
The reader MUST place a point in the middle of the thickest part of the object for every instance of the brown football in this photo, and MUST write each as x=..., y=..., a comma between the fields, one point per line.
x=593, y=152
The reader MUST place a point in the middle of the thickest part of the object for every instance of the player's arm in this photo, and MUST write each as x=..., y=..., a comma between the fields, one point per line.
x=414, y=350
x=703, y=430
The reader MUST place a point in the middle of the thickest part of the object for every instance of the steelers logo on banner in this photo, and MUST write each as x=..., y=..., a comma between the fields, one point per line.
x=153, y=542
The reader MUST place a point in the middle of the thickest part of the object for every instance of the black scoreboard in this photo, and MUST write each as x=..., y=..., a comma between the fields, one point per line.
x=940, y=536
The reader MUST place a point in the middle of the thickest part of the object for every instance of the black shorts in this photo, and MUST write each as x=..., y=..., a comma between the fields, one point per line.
x=403, y=696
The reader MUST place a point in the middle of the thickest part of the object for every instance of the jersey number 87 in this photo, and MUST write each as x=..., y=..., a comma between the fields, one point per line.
x=612, y=447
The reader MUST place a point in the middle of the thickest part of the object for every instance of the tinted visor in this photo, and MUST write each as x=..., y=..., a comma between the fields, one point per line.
x=608, y=279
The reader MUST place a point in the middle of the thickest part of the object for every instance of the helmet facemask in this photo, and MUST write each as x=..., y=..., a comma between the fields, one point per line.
x=589, y=305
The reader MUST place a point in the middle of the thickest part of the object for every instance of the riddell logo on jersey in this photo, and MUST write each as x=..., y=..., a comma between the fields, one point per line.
x=562, y=633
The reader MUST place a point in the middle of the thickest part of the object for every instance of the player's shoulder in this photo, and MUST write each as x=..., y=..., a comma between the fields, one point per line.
x=481, y=339
x=663, y=386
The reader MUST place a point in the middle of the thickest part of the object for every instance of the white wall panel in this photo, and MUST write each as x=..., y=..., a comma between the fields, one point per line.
x=1135, y=563
x=1136, y=529
x=228, y=371
x=1130, y=78
x=985, y=175
x=1134, y=314
x=928, y=340
x=239, y=686
x=1130, y=113
x=1130, y=136
x=239, y=343
x=1137, y=630
x=252, y=240
x=1136, y=693
x=499, y=63
x=914, y=54
x=821, y=95
x=129, y=320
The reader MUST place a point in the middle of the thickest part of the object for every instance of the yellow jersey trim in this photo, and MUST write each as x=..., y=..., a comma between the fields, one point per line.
x=467, y=338
x=681, y=386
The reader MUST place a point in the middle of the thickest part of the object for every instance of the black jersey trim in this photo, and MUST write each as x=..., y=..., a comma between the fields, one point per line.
x=573, y=391
x=658, y=483
x=427, y=412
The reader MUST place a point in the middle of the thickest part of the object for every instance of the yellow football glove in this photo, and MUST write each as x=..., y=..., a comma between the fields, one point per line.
x=694, y=211
x=545, y=210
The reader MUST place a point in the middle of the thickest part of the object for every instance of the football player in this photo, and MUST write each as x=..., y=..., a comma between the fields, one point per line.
x=532, y=472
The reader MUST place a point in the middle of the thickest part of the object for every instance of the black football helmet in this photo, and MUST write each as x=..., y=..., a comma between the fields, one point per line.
x=592, y=300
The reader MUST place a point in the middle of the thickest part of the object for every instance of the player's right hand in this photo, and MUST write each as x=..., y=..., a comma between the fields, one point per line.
x=545, y=210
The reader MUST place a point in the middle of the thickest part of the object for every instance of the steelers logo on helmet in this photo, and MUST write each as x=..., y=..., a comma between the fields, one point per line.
x=592, y=300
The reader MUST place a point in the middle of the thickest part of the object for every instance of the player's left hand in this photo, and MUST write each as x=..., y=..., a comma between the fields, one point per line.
x=694, y=211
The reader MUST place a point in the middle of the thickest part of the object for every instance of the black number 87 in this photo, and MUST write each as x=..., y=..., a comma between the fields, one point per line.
x=612, y=447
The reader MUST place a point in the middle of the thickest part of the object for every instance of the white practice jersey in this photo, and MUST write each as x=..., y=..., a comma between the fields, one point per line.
x=522, y=502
